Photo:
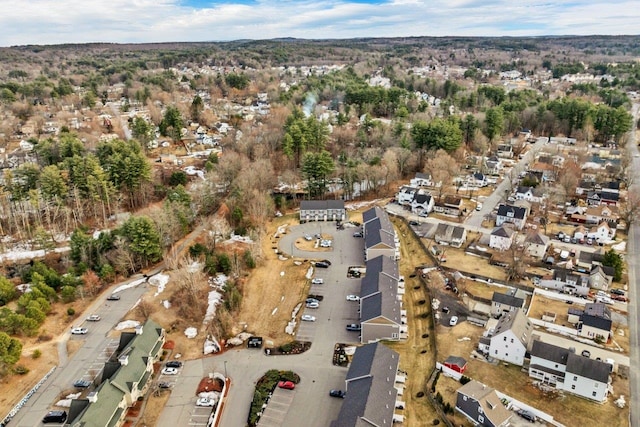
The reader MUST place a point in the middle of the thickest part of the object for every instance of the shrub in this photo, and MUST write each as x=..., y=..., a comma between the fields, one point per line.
x=71, y=311
x=36, y=354
x=21, y=370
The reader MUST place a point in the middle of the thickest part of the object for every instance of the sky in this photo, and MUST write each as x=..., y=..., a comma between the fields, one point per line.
x=141, y=21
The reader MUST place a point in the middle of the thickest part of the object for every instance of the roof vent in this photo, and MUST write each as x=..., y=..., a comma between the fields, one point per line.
x=92, y=397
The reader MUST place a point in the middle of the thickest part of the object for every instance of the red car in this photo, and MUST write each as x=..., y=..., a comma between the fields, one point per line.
x=289, y=385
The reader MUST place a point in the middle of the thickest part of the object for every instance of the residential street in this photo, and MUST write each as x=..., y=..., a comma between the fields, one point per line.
x=633, y=260
x=476, y=217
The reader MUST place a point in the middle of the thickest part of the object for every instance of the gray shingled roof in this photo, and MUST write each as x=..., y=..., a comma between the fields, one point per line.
x=321, y=204
x=597, y=309
x=370, y=387
x=448, y=232
x=518, y=323
x=588, y=368
x=596, y=322
x=549, y=352
x=518, y=213
x=509, y=300
x=455, y=360
x=502, y=232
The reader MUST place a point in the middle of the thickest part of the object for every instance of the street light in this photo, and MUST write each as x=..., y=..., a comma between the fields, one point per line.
x=225, y=370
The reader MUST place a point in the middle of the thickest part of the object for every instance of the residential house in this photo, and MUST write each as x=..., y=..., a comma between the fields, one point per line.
x=595, y=322
x=593, y=198
x=597, y=214
x=379, y=235
x=125, y=378
x=508, y=302
x=580, y=233
x=478, y=179
x=568, y=282
x=481, y=405
x=511, y=214
x=530, y=194
x=453, y=235
x=501, y=238
x=493, y=165
x=381, y=301
x=405, y=195
x=586, y=260
x=536, y=244
x=511, y=337
x=422, y=203
x=449, y=206
x=505, y=151
x=601, y=277
x=611, y=187
x=456, y=363
x=609, y=198
x=567, y=371
x=322, y=210
x=602, y=232
x=422, y=180
x=370, y=384
x=585, y=186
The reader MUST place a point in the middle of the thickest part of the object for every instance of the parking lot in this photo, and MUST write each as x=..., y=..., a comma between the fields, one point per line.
x=277, y=408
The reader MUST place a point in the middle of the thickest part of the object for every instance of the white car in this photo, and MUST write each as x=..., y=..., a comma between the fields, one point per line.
x=353, y=298
x=308, y=318
x=93, y=318
x=205, y=401
x=317, y=281
x=79, y=331
x=169, y=371
x=312, y=305
x=453, y=321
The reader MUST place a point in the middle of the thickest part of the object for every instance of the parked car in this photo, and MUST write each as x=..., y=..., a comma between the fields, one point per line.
x=254, y=342
x=308, y=318
x=620, y=298
x=353, y=298
x=317, y=281
x=527, y=415
x=79, y=331
x=337, y=393
x=288, y=385
x=414, y=223
x=310, y=300
x=586, y=353
x=322, y=264
x=445, y=310
x=81, y=383
x=93, y=318
x=205, y=401
x=169, y=371
x=617, y=292
x=479, y=207
x=173, y=364
x=58, y=417
x=354, y=327
x=313, y=305
x=308, y=237
x=164, y=385
x=357, y=234
x=453, y=321
x=113, y=297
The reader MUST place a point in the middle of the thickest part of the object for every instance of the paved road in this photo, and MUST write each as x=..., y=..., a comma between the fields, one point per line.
x=311, y=405
x=476, y=217
x=633, y=260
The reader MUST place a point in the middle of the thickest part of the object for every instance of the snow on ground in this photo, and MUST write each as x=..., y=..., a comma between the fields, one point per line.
x=309, y=274
x=160, y=280
x=129, y=285
x=239, y=238
x=19, y=254
x=166, y=304
x=191, y=332
x=127, y=324
x=357, y=205
x=620, y=247
x=214, y=299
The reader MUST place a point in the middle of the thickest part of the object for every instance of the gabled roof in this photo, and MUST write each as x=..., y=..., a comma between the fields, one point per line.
x=456, y=361
x=502, y=231
x=373, y=213
x=377, y=234
x=518, y=213
x=506, y=299
x=523, y=189
x=537, y=238
x=516, y=322
x=378, y=269
x=549, y=352
x=306, y=205
x=588, y=368
x=597, y=309
x=370, y=381
x=608, y=195
x=488, y=399
x=421, y=198
x=590, y=257
x=596, y=322
x=448, y=232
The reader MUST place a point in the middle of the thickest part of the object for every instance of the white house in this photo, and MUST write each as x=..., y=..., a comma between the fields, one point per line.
x=405, y=194
x=448, y=234
x=530, y=194
x=422, y=180
x=602, y=232
x=511, y=337
x=501, y=238
x=422, y=203
x=537, y=244
x=567, y=371
x=511, y=214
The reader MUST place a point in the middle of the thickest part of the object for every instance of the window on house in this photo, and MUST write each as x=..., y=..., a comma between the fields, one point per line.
x=575, y=378
x=506, y=355
x=573, y=387
x=512, y=340
x=496, y=351
x=480, y=419
x=595, y=385
x=464, y=398
x=505, y=338
x=480, y=409
x=593, y=394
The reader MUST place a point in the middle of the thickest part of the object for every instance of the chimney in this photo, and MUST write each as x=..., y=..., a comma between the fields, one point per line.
x=139, y=330
x=92, y=397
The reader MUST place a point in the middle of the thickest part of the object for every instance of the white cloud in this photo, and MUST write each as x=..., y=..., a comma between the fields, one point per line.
x=75, y=21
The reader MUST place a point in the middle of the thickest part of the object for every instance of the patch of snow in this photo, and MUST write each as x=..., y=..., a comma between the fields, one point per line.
x=166, y=304
x=239, y=238
x=127, y=324
x=129, y=285
x=309, y=273
x=160, y=280
x=191, y=332
x=213, y=299
x=18, y=254
x=211, y=345
x=218, y=281
x=234, y=341
x=620, y=247
x=64, y=403
x=194, y=267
